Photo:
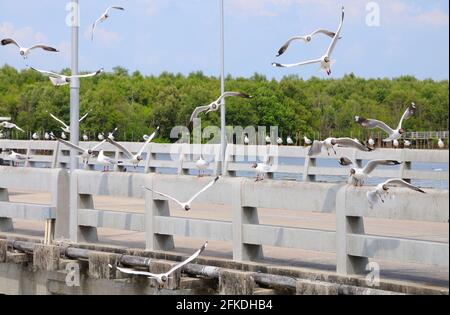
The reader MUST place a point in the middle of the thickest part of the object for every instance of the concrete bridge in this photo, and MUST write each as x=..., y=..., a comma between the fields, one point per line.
x=242, y=199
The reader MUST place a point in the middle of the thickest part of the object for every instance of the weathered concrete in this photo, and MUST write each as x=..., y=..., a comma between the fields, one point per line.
x=236, y=283
x=3, y=250
x=46, y=257
x=99, y=265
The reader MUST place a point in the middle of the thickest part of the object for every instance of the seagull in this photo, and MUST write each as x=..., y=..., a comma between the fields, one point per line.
x=103, y=18
x=396, y=143
x=8, y=125
x=163, y=277
x=35, y=136
x=279, y=141
x=145, y=137
x=17, y=158
x=246, y=140
x=261, y=170
x=358, y=175
x=46, y=136
x=186, y=205
x=101, y=136
x=325, y=61
x=60, y=79
x=52, y=136
x=111, y=134
x=441, y=144
x=85, y=154
x=63, y=135
x=371, y=142
x=329, y=144
x=135, y=159
x=85, y=137
x=106, y=161
x=214, y=106
x=393, y=134
x=407, y=143
x=307, y=141
x=202, y=166
x=307, y=39
x=268, y=140
x=24, y=51
x=66, y=128
x=289, y=141
x=382, y=190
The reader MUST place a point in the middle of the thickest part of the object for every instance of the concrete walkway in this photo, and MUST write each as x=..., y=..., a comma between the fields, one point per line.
x=429, y=275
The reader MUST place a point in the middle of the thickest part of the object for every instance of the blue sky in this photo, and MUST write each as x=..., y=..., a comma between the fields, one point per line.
x=183, y=36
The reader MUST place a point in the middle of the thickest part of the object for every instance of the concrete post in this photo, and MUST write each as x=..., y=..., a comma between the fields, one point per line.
x=153, y=209
x=233, y=282
x=3, y=250
x=60, y=200
x=243, y=215
x=347, y=264
x=46, y=257
x=6, y=224
x=309, y=162
x=99, y=265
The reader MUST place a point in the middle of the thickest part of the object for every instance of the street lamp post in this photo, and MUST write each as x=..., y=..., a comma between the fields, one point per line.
x=223, y=141
x=74, y=88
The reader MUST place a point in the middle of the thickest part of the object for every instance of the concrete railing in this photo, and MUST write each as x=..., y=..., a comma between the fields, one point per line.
x=288, y=161
x=55, y=181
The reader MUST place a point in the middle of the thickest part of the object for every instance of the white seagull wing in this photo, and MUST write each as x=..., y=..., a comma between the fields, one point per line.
x=373, y=123
x=408, y=113
x=98, y=145
x=44, y=47
x=59, y=120
x=400, y=182
x=71, y=145
x=280, y=65
x=325, y=32
x=198, y=111
x=187, y=261
x=203, y=190
x=350, y=143
x=87, y=75
x=130, y=271
x=48, y=73
x=372, y=165
x=232, y=94
x=85, y=115
x=316, y=148
x=336, y=36
x=150, y=139
x=165, y=195
x=283, y=49
x=8, y=41
x=127, y=153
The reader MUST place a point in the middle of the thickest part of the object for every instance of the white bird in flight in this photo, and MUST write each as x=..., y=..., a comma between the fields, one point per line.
x=358, y=175
x=393, y=134
x=329, y=144
x=163, y=277
x=60, y=79
x=24, y=51
x=325, y=61
x=214, y=106
x=66, y=128
x=185, y=205
x=8, y=125
x=85, y=154
x=135, y=159
x=104, y=17
x=307, y=39
x=380, y=193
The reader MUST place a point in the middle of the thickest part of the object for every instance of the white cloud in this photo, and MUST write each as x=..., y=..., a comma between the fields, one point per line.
x=25, y=36
x=102, y=35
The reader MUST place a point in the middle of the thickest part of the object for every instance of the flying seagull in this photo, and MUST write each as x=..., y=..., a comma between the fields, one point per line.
x=393, y=134
x=85, y=154
x=307, y=39
x=382, y=190
x=24, y=51
x=8, y=125
x=164, y=277
x=329, y=144
x=103, y=18
x=325, y=61
x=214, y=106
x=186, y=205
x=16, y=158
x=135, y=159
x=65, y=127
x=358, y=175
x=60, y=80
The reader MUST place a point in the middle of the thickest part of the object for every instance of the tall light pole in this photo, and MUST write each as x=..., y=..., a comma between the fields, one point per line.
x=223, y=141
x=74, y=88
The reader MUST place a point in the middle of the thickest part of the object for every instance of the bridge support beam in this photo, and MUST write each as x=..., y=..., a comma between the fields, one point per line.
x=6, y=224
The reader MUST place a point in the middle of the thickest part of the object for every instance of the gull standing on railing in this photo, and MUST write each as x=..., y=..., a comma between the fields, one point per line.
x=135, y=159
x=103, y=18
x=261, y=170
x=60, y=79
x=24, y=51
x=102, y=159
x=16, y=158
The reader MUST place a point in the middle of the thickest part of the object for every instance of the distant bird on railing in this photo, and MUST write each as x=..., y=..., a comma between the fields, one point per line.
x=107, y=162
x=395, y=143
x=16, y=158
x=101, y=136
x=63, y=135
x=85, y=137
x=371, y=142
x=60, y=79
x=324, y=61
x=24, y=51
x=163, y=277
x=66, y=128
x=280, y=141
x=8, y=125
x=202, y=165
x=441, y=144
x=289, y=141
x=380, y=193
x=261, y=170
x=185, y=205
x=214, y=106
x=246, y=140
x=358, y=175
x=407, y=143
x=134, y=159
x=46, y=136
x=85, y=154
x=393, y=134
x=111, y=135
x=328, y=144
x=307, y=141
x=268, y=140
x=35, y=136
x=103, y=18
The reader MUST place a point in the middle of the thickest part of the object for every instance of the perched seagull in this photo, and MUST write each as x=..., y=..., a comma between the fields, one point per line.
x=65, y=127
x=106, y=161
x=35, y=136
x=163, y=277
x=371, y=142
x=63, y=135
x=329, y=144
x=393, y=134
x=85, y=137
x=325, y=61
x=16, y=158
x=23, y=51
x=407, y=143
x=52, y=136
x=246, y=140
x=111, y=134
x=441, y=144
x=103, y=18
x=202, y=166
x=8, y=125
x=396, y=143
x=101, y=136
x=135, y=159
x=186, y=205
x=289, y=141
x=46, y=136
x=382, y=190
x=261, y=170
x=214, y=106
x=279, y=141
x=307, y=141
x=60, y=80
x=358, y=175
x=268, y=140
x=85, y=154
x=307, y=39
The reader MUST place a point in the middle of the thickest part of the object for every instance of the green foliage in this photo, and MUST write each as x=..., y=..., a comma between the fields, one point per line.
x=137, y=104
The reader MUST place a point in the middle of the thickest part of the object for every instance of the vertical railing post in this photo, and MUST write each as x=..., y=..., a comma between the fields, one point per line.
x=60, y=201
